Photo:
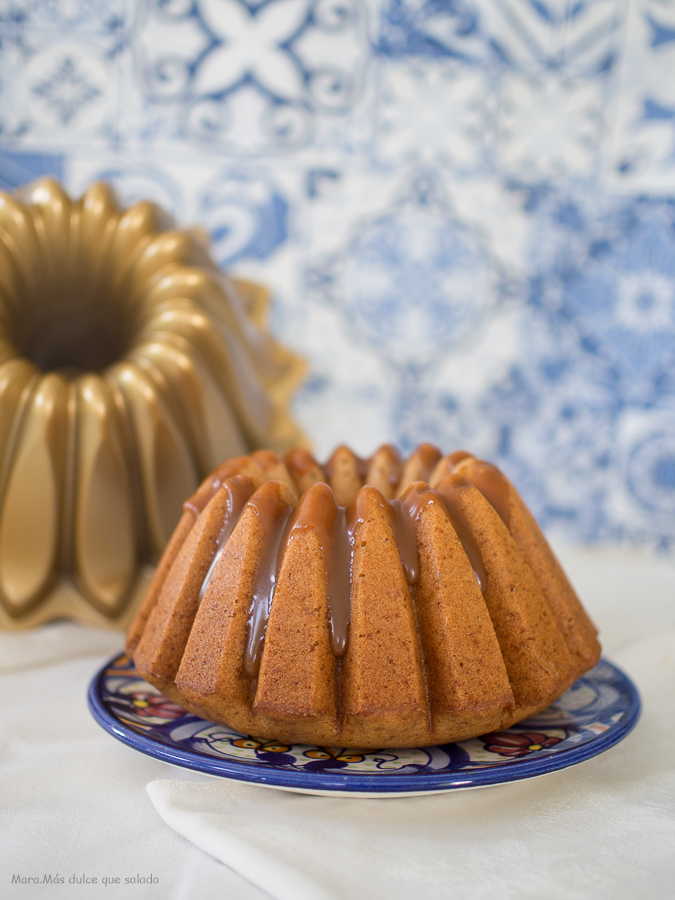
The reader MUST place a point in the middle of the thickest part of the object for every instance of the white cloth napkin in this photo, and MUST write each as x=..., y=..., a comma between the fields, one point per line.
x=73, y=800
x=604, y=828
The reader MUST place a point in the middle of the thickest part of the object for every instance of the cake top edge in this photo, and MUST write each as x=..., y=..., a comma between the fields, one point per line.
x=347, y=474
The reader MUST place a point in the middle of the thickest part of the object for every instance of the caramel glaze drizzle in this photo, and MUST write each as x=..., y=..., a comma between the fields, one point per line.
x=198, y=502
x=274, y=514
x=403, y=515
x=407, y=510
x=239, y=489
x=335, y=527
x=318, y=511
x=492, y=485
x=450, y=489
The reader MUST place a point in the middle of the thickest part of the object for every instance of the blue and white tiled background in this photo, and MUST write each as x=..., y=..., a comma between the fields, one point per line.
x=466, y=209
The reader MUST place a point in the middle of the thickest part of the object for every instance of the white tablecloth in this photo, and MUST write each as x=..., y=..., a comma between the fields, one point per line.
x=76, y=803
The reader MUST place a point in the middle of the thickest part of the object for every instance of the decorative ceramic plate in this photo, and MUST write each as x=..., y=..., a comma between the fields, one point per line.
x=598, y=711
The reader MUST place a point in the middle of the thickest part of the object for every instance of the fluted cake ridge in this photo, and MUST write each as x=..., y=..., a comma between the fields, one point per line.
x=371, y=603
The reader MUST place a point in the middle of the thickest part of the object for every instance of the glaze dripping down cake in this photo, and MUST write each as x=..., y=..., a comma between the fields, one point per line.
x=364, y=603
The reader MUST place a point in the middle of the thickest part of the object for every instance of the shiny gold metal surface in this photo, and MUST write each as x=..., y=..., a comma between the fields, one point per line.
x=130, y=366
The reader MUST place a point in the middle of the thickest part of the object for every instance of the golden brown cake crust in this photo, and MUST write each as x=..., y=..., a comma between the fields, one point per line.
x=366, y=603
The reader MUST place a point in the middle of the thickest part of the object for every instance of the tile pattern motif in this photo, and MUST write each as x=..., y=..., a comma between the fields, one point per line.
x=466, y=209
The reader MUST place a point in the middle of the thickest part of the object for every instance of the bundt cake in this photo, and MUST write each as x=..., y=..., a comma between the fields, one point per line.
x=369, y=603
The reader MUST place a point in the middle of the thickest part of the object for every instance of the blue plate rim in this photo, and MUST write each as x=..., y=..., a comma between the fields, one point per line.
x=356, y=782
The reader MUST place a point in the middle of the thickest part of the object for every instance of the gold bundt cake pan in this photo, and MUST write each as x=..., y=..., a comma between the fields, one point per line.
x=130, y=366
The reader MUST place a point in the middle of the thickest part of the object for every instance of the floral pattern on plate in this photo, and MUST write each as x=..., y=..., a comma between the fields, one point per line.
x=593, y=715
